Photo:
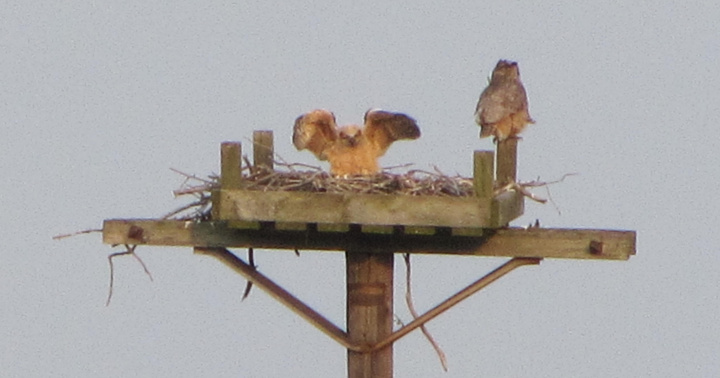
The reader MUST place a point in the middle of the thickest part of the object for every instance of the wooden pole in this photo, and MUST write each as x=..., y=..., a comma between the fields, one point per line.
x=369, y=312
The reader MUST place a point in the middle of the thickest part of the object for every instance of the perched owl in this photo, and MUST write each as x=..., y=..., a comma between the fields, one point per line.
x=502, y=110
x=352, y=150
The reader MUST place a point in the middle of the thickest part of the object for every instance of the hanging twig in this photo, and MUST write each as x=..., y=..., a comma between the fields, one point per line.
x=129, y=250
x=411, y=307
x=249, y=285
x=63, y=236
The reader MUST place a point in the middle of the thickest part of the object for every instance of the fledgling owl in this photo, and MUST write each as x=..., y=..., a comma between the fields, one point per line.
x=502, y=110
x=352, y=150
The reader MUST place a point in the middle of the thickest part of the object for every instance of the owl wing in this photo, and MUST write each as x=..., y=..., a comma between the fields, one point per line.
x=315, y=131
x=497, y=103
x=383, y=128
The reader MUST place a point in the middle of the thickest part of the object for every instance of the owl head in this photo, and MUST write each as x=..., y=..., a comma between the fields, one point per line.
x=505, y=69
x=350, y=135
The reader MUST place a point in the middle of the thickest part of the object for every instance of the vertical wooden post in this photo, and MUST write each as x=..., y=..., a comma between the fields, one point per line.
x=230, y=173
x=506, y=161
x=369, y=312
x=483, y=171
x=230, y=165
x=263, y=148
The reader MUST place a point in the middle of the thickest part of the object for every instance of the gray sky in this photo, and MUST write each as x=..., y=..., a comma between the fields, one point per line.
x=98, y=101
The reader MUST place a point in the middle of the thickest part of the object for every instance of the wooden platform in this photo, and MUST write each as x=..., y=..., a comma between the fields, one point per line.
x=510, y=242
x=376, y=223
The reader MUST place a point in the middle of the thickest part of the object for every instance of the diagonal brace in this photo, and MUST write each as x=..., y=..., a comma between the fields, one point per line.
x=330, y=329
x=280, y=294
x=457, y=298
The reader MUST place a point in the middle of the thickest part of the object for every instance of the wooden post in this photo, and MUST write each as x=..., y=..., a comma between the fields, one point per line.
x=230, y=165
x=369, y=312
x=506, y=161
x=483, y=173
x=230, y=173
x=263, y=148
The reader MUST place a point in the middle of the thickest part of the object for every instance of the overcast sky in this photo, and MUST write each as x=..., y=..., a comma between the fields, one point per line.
x=99, y=99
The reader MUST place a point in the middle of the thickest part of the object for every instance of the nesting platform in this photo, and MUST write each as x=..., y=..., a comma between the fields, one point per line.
x=475, y=225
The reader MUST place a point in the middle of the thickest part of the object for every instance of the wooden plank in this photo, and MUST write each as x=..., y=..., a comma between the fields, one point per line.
x=287, y=226
x=365, y=209
x=263, y=149
x=466, y=231
x=245, y=225
x=333, y=227
x=376, y=229
x=419, y=230
x=510, y=242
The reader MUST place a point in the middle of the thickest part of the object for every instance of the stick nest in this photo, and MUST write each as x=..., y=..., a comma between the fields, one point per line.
x=299, y=177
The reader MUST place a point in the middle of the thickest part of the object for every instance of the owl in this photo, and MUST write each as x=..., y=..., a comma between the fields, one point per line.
x=351, y=149
x=502, y=110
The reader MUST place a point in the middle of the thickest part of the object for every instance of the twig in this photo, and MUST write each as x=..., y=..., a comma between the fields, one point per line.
x=411, y=307
x=129, y=250
x=521, y=187
x=390, y=168
x=547, y=187
x=63, y=236
x=191, y=177
x=249, y=285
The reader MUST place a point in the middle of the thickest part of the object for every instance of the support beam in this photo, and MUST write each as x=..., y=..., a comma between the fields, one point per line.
x=508, y=242
x=457, y=298
x=369, y=312
x=277, y=292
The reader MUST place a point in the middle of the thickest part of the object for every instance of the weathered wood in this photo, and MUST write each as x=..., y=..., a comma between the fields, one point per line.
x=375, y=229
x=457, y=298
x=483, y=173
x=506, y=207
x=263, y=149
x=506, y=161
x=369, y=279
x=510, y=242
x=365, y=209
x=361, y=296
x=230, y=165
x=419, y=230
x=333, y=227
x=230, y=174
x=277, y=292
x=288, y=226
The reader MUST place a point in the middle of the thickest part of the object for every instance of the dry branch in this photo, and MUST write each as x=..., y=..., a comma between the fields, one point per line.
x=129, y=250
x=411, y=307
x=63, y=236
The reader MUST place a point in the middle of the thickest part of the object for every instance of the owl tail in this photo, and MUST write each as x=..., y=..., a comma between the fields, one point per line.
x=486, y=131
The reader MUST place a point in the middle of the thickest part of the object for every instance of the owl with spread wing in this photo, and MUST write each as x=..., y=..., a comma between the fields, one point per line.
x=502, y=110
x=351, y=149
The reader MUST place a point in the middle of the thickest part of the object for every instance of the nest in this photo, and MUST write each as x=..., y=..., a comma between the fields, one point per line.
x=288, y=177
x=412, y=183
